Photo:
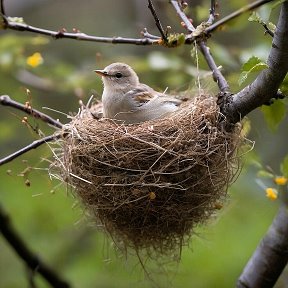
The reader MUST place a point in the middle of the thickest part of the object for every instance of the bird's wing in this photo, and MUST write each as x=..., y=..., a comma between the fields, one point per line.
x=142, y=94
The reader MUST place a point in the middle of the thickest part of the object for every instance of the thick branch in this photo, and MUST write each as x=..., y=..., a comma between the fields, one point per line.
x=7, y=101
x=31, y=260
x=35, y=144
x=268, y=81
x=270, y=257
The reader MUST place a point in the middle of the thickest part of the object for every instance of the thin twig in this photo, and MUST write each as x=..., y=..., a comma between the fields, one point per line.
x=31, y=260
x=2, y=8
x=29, y=147
x=182, y=16
x=157, y=20
x=217, y=75
x=237, y=13
x=7, y=101
x=146, y=34
x=267, y=30
x=77, y=36
x=212, y=13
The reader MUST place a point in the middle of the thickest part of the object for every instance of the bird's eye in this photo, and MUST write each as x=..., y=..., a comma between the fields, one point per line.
x=118, y=75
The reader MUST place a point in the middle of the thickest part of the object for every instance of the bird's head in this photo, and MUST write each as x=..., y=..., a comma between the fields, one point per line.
x=118, y=76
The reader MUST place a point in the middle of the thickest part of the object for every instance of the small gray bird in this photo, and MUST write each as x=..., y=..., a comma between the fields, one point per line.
x=125, y=98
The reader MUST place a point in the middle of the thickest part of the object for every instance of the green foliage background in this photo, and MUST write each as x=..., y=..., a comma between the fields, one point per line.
x=50, y=219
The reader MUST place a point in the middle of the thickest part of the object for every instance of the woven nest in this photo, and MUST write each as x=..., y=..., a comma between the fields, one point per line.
x=150, y=185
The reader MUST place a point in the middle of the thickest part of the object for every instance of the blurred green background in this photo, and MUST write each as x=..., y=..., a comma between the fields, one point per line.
x=47, y=216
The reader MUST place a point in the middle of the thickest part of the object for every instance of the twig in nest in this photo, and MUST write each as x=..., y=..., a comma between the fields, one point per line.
x=31, y=260
x=157, y=21
x=35, y=144
x=7, y=101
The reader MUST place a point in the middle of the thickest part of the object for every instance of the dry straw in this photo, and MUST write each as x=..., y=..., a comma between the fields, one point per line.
x=150, y=185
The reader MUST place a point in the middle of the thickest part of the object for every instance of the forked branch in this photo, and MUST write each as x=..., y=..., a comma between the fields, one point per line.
x=5, y=100
x=217, y=75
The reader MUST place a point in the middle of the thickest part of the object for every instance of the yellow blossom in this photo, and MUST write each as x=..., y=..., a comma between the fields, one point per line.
x=271, y=193
x=35, y=60
x=281, y=180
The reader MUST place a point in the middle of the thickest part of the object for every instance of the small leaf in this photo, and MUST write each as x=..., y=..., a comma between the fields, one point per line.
x=264, y=174
x=284, y=166
x=274, y=114
x=252, y=61
x=16, y=20
x=246, y=71
x=255, y=17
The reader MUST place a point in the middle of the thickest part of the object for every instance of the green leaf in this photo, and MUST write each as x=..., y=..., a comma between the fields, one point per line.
x=16, y=20
x=255, y=17
x=264, y=174
x=284, y=166
x=254, y=64
x=284, y=85
x=252, y=61
x=274, y=114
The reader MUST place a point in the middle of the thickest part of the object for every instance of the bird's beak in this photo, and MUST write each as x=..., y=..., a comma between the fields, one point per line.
x=101, y=72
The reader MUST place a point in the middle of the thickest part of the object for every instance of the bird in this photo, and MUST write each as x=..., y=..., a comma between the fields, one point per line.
x=127, y=100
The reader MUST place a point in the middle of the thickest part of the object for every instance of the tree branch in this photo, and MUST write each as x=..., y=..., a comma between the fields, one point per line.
x=157, y=21
x=217, y=75
x=31, y=260
x=8, y=24
x=266, y=85
x=77, y=36
x=182, y=16
x=212, y=11
x=35, y=144
x=270, y=257
x=2, y=7
x=236, y=14
x=7, y=101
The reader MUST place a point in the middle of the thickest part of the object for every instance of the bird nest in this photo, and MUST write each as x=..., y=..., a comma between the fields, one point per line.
x=150, y=185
